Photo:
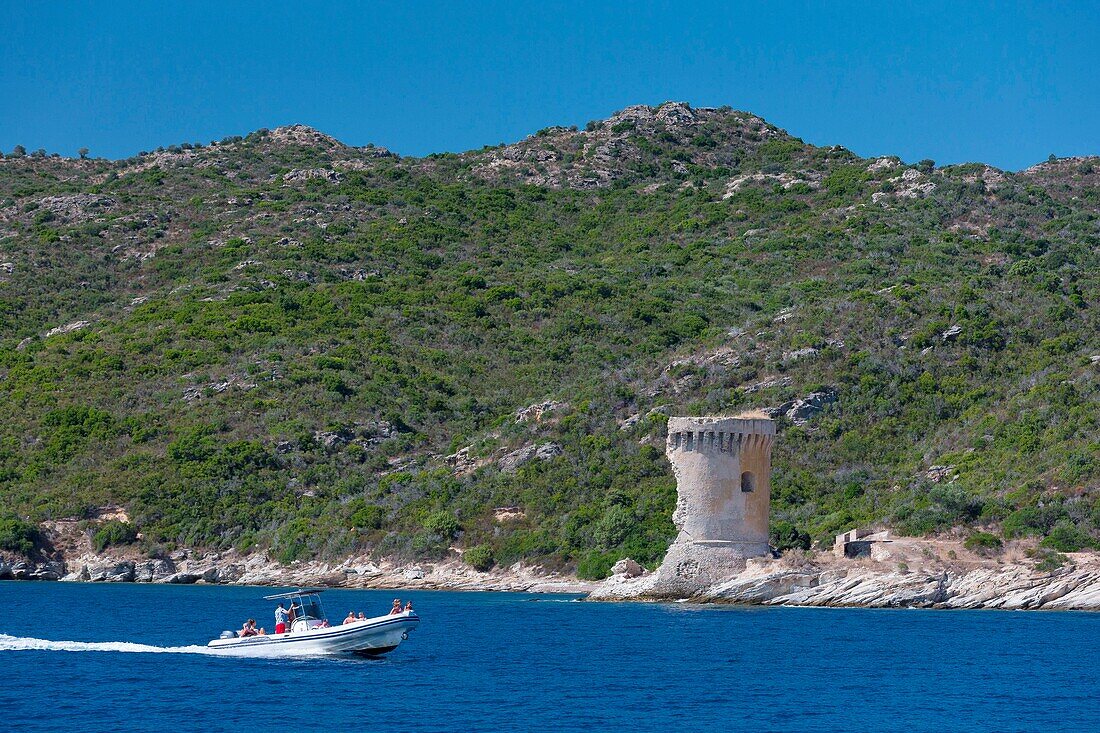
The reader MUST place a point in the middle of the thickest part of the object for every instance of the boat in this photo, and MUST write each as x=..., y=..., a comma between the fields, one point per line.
x=311, y=634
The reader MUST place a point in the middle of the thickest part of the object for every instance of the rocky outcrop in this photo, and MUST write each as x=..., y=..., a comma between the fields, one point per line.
x=67, y=328
x=627, y=568
x=25, y=570
x=801, y=411
x=309, y=174
x=608, y=150
x=77, y=208
x=153, y=571
x=186, y=568
x=535, y=413
x=876, y=585
x=542, y=452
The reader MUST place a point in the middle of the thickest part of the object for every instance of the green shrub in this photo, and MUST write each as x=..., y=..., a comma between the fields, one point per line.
x=614, y=527
x=984, y=543
x=596, y=565
x=112, y=534
x=785, y=536
x=17, y=535
x=479, y=557
x=1031, y=520
x=1068, y=537
x=442, y=523
x=1047, y=560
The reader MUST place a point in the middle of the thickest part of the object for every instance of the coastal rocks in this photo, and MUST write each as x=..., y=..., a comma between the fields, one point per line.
x=517, y=458
x=153, y=571
x=876, y=585
x=51, y=570
x=627, y=568
x=22, y=570
x=123, y=572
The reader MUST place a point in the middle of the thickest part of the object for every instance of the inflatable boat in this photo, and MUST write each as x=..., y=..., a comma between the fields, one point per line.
x=310, y=634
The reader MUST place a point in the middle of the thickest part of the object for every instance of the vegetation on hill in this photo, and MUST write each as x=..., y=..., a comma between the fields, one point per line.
x=282, y=342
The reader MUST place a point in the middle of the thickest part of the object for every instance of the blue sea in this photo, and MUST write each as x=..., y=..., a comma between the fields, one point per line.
x=81, y=657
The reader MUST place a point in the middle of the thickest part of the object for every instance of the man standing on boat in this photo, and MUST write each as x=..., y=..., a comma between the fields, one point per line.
x=281, y=617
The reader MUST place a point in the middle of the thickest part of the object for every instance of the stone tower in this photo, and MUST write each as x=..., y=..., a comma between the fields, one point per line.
x=723, y=486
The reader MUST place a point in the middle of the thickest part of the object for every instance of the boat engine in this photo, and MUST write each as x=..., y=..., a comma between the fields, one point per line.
x=228, y=635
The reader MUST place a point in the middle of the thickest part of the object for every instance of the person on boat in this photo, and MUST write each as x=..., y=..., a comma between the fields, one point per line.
x=409, y=606
x=351, y=618
x=396, y=607
x=362, y=617
x=281, y=619
x=249, y=628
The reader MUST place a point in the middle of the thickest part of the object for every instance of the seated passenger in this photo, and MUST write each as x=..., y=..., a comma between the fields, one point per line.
x=362, y=617
x=396, y=606
x=351, y=618
x=409, y=606
x=249, y=628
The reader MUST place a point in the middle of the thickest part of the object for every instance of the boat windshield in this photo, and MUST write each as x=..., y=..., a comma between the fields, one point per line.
x=309, y=606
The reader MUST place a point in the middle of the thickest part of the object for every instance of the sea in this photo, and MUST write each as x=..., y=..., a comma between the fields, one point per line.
x=126, y=657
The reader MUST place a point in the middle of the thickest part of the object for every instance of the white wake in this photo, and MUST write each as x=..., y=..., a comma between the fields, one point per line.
x=25, y=643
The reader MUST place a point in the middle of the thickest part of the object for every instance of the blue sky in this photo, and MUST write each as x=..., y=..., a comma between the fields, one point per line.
x=1002, y=83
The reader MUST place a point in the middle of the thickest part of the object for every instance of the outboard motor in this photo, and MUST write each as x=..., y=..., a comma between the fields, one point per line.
x=228, y=635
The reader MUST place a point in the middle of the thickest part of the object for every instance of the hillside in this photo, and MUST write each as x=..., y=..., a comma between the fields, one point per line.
x=280, y=341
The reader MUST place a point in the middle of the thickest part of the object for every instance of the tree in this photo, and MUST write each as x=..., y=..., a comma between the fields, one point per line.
x=18, y=151
x=83, y=153
x=479, y=557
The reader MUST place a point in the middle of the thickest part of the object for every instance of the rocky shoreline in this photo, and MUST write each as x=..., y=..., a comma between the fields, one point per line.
x=1010, y=584
x=905, y=573
x=186, y=568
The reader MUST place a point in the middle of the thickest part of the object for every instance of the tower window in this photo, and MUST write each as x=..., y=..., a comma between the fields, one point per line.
x=748, y=481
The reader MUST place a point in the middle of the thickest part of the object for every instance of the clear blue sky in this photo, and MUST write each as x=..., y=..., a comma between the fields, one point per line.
x=1002, y=83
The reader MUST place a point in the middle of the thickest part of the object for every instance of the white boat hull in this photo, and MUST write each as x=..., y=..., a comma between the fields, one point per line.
x=369, y=637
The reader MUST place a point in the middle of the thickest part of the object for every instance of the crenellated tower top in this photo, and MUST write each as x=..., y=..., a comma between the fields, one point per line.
x=720, y=434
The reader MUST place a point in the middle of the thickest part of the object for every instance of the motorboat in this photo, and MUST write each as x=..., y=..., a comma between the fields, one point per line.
x=310, y=633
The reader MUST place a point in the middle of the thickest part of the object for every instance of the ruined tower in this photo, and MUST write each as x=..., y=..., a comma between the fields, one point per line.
x=723, y=487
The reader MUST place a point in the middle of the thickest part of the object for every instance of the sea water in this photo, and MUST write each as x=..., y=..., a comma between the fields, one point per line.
x=82, y=657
